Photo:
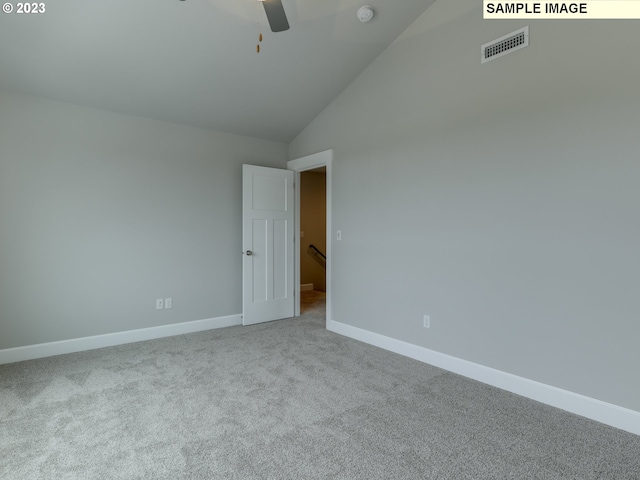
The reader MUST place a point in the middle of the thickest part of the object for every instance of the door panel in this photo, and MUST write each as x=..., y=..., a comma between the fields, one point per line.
x=269, y=193
x=280, y=277
x=258, y=267
x=267, y=219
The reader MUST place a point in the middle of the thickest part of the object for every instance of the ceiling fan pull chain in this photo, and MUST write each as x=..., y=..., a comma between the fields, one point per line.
x=258, y=25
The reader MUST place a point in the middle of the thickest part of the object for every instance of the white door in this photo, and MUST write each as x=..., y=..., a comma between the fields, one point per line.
x=267, y=237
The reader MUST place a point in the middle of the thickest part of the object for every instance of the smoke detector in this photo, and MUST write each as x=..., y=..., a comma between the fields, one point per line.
x=365, y=14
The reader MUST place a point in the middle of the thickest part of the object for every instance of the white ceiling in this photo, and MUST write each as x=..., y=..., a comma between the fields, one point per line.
x=194, y=62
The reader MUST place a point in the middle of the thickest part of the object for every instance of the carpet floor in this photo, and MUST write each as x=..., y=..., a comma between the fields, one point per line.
x=283, y=400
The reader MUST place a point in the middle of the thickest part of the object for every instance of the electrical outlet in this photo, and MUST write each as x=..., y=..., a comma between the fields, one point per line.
x=168, y=303
x=426, y=321
x=159, y=303
x=339, y=235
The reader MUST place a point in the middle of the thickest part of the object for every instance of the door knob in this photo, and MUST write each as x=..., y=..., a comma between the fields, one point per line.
x=248, y=253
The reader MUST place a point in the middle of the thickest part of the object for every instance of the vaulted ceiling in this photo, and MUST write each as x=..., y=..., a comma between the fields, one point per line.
x=195, y=62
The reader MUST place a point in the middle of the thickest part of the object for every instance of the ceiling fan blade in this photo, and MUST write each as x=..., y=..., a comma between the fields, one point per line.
x=276, y=16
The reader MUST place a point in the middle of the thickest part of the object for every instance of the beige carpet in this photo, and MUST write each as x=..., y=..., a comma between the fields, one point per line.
x=313, y=302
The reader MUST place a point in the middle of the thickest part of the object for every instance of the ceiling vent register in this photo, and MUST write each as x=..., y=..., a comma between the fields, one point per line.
x=504, y=45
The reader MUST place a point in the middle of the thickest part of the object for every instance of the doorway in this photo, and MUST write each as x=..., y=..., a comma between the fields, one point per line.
x=313, y=241
x=318, y=167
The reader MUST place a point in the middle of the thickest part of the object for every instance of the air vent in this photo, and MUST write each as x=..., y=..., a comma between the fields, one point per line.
x=503, y=45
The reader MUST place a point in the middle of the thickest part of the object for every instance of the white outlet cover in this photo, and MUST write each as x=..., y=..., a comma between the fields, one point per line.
x=159, y=303
x=168, y=303
x=426, y=321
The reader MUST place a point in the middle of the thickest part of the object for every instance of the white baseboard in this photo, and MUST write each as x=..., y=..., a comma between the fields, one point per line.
x=607, y=413
x=305, y=287
x=41, y=350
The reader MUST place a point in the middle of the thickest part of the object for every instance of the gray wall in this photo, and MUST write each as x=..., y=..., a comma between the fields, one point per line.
x=502, y=199
x=101, y=213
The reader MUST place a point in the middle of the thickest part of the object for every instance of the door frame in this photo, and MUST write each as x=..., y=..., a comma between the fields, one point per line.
x=298, y=165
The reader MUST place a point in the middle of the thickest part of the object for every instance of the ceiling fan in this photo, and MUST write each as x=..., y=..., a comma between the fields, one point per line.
x=275, y=14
